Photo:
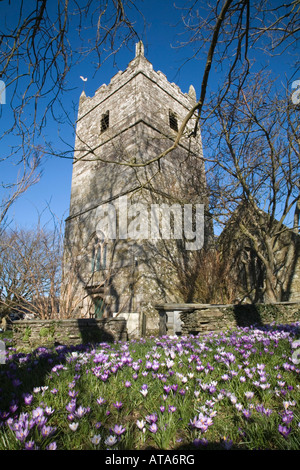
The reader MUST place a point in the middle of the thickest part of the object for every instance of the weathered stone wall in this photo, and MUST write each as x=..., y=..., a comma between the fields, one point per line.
x=197, y=318
x=36, y=333
x=295, y=284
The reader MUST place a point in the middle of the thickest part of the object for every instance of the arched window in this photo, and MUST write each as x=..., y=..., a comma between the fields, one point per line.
x=99, y=252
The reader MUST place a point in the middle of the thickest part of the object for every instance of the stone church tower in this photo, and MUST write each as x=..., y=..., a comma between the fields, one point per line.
x=120, y=253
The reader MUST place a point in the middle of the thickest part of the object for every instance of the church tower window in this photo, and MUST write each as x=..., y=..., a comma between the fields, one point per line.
x=99, y=253
x=173, y=121
x=105, y=121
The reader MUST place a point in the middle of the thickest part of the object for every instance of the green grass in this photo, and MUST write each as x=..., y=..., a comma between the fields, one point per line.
x=235, y=390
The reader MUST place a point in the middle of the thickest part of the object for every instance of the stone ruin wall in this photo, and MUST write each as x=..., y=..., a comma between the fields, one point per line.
x=203, y=319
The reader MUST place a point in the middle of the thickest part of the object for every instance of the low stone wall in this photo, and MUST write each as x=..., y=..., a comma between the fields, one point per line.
x=36, y=333
x=202, y=318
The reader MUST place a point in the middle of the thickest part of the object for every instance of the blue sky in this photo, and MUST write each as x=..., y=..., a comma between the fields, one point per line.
x=54, y=188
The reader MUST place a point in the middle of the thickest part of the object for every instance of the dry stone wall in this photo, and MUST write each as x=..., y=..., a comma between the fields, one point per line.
x=34, y=333
x=202, y=319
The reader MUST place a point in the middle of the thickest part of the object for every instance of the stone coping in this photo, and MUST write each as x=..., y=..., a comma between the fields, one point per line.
x=191, y=307
x=69, y=320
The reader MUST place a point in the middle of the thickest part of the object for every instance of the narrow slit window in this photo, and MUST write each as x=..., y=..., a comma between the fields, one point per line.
x=105, y=121
x=99, y=255
x=173, y=121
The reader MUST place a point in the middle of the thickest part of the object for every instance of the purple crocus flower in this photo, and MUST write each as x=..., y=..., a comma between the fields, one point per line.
x=47, y=431
x=172, y=409
x=40, y=421
x=284, y=431
x=16, y=382
x=13, y=408
x=225, y=377
x=118, y=429
x=80, y=412
x=101, y=401
x=38, y=413
x=197, y=442
x=260, y=408
x=22, y=433
x=49, y=411
x=153, y=428
x=30, y=445
x=227, y=443
x=52, y=446
x=118, y=405
x=71, y=406
x=249, y=395
x=28, y=398
x=247, y=413
x=287, y=417
x=152, y=418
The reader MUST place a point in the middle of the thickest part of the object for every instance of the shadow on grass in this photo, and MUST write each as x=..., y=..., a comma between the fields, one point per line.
x=21, y=372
